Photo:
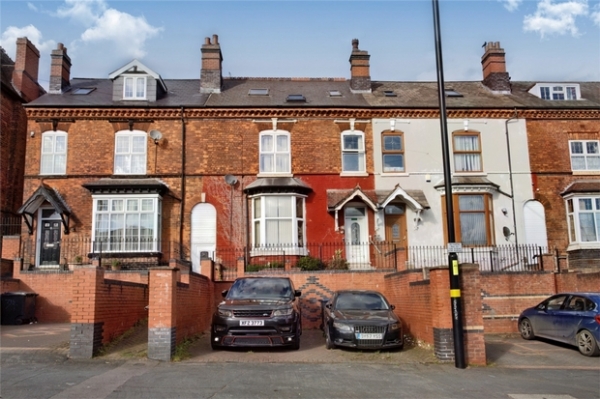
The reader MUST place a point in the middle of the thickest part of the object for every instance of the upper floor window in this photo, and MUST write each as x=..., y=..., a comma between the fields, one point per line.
x=54, y=153
x=130, y=152
x=275, y=152
x=134, y=88
x=585, y=154
x=467, y=152
x=392, y=152
x=556, y=91
x=353, y=151
x=278, y=221
x=583, y=215
x=127, y=223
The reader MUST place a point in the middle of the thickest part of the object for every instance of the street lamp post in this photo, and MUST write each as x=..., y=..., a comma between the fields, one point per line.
x=453, y=267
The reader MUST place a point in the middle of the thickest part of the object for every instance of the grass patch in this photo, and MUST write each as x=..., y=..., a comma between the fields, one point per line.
x=182, y=351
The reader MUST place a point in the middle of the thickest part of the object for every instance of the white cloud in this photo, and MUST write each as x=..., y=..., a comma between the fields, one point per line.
x=511, y=5
x=32, y=7
x=125, y=31
x=595, y=15
x=82, y=11
x=556, y=18
x=12, y=33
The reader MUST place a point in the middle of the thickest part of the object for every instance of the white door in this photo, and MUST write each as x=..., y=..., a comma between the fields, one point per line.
x=204, y=234
x=535, y=223
x=356, y=233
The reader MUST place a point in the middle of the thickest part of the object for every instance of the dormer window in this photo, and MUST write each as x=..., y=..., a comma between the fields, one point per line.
x=134, y=88
x=556, y=91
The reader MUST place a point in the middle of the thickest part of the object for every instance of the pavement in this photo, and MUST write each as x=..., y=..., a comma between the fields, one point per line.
x=50, y=343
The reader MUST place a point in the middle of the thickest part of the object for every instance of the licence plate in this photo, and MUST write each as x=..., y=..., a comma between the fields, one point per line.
x=369, y=336
x=252, y=323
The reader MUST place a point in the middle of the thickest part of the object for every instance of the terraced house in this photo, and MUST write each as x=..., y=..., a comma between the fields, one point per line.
x=140, y=169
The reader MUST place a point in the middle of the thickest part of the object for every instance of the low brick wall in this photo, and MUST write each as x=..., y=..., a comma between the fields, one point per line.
x=6, y=267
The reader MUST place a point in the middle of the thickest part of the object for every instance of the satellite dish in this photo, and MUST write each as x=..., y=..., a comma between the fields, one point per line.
x=155, y=135
x=506, y=232
x=230, y=179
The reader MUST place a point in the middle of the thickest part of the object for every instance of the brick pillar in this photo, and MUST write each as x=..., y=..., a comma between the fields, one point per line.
x=206, y=268
x=441, y=313
x=86, y=330
x=473, y=336
x=162, y=316
x=241, y=267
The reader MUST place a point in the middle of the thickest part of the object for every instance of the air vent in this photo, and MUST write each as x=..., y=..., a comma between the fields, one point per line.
x=335, y=93
x=389, y=93
x=452, y=93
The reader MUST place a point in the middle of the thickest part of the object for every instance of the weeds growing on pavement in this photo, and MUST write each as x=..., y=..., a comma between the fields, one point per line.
x=182, y=350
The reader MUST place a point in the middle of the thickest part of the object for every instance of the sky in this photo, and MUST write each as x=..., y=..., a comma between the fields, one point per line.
x=544, y=40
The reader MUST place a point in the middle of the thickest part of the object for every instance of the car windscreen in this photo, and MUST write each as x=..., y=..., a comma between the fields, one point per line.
x=261, y=288
x=360, y=301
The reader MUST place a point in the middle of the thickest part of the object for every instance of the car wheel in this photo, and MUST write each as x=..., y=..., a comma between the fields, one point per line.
x=587, y=343
x=526, y=329
x=328, y=342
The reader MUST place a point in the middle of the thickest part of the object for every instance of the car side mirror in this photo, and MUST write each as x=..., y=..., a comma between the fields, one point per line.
x=224, y=293
x=297, y=293
x=392, y=307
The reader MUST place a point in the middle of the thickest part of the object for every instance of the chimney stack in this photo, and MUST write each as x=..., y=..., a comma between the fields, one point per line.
x=25, y=73
x=360, y=81
x=60, y=70
x=211, y=74
x=493, y=62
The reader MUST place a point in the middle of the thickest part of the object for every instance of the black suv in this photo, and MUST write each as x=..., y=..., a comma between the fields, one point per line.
x=258, y=311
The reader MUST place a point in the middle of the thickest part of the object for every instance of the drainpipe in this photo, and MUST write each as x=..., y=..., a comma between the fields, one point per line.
x=182, y=203
x=510, y=175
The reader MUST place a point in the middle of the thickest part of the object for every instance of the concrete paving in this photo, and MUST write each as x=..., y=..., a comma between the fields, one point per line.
x=51, y=341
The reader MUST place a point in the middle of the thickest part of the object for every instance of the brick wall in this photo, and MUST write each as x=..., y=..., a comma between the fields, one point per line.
x=12, y=153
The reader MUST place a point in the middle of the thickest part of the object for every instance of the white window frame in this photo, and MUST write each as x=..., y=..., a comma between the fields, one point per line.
x=52, y=156
x=275, y=159
x=124, y=160
x=587, y=156
x=119, y=239
x=297, y=240
x=557, y=91
x=139, y=87
x=359, y=152
x=581, y=230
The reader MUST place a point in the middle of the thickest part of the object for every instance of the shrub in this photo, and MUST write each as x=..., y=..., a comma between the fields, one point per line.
x=309, y=263
x=255, y=267
x=337, y=262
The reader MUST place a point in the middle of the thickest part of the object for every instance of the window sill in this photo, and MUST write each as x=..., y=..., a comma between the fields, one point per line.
x=583, y=245
x=354, y=174
x=394, y=174
x=586, y=172
x=275, y=175
x=474, y=173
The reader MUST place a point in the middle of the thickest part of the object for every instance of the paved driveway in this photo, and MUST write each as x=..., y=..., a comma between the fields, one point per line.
x=35, y=340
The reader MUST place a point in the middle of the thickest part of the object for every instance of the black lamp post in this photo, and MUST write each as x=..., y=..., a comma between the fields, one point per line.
x=454, y=270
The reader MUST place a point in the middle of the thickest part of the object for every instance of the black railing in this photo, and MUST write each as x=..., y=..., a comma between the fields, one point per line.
x=73, y=250
x=10, y=225
x=500, y=258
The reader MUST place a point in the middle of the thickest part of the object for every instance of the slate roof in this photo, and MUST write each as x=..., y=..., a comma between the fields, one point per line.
x=583, y=186
x=7, y=67
x=235, y=93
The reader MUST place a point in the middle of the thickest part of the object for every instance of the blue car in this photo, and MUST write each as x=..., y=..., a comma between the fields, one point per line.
x=570, y=317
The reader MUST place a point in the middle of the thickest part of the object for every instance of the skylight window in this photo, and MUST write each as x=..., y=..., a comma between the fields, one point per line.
x=83, y=90
x=296, y=98
x=452, y=93
x=258, y=92
x=335, y=93
x=389, y=93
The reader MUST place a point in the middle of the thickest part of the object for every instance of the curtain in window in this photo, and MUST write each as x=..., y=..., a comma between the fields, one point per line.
x=467, y=162
x=472, y=220
x=54, y=153
x=128, y=87
x=278, y=223
x=283, y=158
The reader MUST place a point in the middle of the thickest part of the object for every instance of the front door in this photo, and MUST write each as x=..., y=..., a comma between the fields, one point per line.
x=49, y=238
x=356, y=231
x=395, y=225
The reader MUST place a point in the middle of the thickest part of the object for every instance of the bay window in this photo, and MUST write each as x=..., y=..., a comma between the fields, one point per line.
x=583, y=215
x=278, y=221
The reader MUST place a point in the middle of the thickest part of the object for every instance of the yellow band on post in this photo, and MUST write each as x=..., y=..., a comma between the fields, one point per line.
x=454, y=293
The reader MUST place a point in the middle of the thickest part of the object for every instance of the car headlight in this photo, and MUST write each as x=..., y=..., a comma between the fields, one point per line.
x=343, y=327
x=283, y=312
x=225, y=313
x=395, y=326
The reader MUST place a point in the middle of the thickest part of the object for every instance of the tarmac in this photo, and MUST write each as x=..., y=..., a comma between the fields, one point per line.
x=50, y=343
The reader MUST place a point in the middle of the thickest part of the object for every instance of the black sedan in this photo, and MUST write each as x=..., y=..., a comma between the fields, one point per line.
x=361, y=319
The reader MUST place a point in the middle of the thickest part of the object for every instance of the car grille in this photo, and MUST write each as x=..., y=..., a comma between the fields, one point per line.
x=252, y=313
x=253, y=341
x=370, y=330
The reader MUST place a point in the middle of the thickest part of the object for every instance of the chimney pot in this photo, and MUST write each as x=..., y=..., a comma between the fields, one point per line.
x=211, y=74
x=207, y=40
x=215, y=39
